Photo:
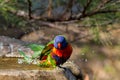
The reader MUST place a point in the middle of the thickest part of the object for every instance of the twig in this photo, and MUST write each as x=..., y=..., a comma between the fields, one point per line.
x=86, y=7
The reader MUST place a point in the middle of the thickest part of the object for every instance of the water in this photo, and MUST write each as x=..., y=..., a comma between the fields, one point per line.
x=12, y=63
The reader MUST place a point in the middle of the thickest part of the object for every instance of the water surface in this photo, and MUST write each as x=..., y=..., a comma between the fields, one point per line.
x=12, y=63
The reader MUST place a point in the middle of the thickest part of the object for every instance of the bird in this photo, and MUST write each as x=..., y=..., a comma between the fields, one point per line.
x=56, y=52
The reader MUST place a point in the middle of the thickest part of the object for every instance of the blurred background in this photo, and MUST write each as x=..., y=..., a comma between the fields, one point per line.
x=91, y=26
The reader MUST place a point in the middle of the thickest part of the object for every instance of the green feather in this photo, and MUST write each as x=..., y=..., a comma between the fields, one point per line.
x=51, y=60
x=46, y=50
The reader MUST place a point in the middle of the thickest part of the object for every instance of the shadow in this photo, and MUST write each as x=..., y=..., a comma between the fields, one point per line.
x=69, y=75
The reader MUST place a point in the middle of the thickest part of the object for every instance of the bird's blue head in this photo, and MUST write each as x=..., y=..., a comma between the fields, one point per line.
x=60, y=42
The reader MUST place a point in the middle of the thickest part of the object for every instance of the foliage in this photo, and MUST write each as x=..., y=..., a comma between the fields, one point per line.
x=6, y=6
x=96, y=34
x=100, y=10
x=26, y=58
x=37, y=49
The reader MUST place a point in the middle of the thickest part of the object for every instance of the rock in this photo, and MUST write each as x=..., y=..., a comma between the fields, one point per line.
x=31, y=75
x=75, y=70
x=9, y=48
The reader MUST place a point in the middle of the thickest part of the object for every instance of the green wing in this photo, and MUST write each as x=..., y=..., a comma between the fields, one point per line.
x=47, y=49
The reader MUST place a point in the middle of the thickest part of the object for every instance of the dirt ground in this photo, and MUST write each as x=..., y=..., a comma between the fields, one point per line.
x=98, y=60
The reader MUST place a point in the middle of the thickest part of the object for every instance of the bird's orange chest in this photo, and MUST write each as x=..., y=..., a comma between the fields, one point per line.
x=64, y=52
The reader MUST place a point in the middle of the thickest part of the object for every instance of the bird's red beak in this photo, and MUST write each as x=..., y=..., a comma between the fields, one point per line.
x=59, y=45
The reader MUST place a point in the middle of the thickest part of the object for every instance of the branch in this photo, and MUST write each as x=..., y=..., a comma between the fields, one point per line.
x=86, y=6
x=101, y=12
x=97, y=10
x=55, y=25
x=101, y=5
x=29, y=9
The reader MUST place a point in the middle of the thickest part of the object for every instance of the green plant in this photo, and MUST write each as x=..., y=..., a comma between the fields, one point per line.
x=96, y=34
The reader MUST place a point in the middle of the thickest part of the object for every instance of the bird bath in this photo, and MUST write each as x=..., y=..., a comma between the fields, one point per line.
x=12, y=63
x=11, y=70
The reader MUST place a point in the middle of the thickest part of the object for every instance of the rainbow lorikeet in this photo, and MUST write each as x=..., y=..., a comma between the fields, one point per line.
x=56, y=52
